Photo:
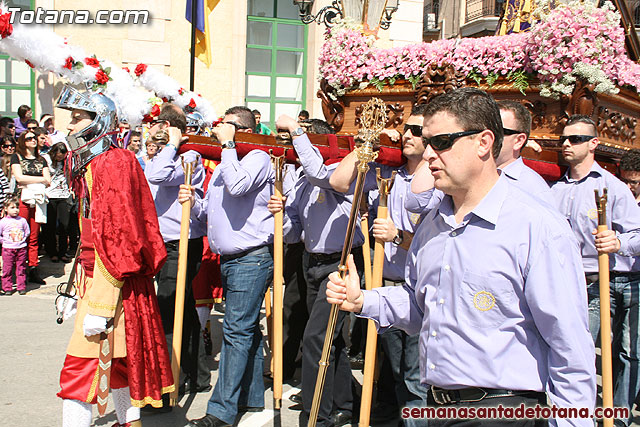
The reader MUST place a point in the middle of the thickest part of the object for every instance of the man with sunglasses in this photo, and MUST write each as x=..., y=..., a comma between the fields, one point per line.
x=575, y=195
x=8, y=145
x=494, y=283
x=240, y=229
x=7, y=128
x=165, y=174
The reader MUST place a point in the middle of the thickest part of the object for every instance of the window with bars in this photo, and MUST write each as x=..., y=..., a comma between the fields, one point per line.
x=276, y=59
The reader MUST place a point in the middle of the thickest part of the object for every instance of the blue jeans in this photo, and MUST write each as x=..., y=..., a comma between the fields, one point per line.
x=625, y=313
x=403, y=354
x=240, y=371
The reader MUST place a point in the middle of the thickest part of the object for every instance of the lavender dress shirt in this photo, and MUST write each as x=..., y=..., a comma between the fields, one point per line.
x=576, y=201
x=165, y=175
x=499, y=301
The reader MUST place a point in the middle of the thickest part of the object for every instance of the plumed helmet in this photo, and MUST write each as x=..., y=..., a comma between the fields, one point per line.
x=196, y=120
x=96, y=138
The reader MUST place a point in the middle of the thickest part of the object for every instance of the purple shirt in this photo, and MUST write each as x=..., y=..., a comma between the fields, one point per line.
x=14, y=232
x=395, y=256
x=20, y=127
x=315, y=212
x=165, y=175
x=236, y=203
x=576, y=201
x=499, y=300
x=529, y=181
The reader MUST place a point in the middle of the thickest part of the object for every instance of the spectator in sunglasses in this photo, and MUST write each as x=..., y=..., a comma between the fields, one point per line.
x=24, y=115
x=47, y=122
x=7, y=127
x=42, y=138
x=8, y=145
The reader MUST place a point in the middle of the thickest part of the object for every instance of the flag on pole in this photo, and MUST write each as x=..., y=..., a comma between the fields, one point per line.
x=203, y=45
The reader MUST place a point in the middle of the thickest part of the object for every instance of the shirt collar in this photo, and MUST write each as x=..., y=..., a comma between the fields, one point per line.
x=595, y=169
x=489, y=207
x=514, y=169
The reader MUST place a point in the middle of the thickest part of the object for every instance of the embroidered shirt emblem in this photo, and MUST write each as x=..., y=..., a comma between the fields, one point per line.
x=593, y=213
x=483, y=300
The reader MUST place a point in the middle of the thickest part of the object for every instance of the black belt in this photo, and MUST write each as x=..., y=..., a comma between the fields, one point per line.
x=335, y=256
x=389, y=282
x=258, y=249
x=476, y=394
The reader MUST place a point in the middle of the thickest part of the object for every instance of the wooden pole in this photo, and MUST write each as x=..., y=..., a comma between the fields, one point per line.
x=366, y=248
x=178, y=318
x=605, y=311
x=278, y=278
x=269, y=317
x=384, y=186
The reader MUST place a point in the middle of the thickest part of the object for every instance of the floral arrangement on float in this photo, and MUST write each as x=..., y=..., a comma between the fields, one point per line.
x=136, y=96
x=573, y=40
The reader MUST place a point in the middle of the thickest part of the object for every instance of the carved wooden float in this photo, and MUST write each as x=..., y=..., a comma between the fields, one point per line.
x=617, y=116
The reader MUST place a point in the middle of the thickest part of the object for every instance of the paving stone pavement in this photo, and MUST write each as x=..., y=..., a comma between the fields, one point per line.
x=33, y=350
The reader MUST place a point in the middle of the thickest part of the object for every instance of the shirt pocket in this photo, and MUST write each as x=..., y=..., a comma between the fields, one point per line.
x=484, y=301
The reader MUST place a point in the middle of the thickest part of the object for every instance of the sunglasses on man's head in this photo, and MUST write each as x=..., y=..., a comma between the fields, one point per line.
x=576, y=139
x=508, y=131
x=416, y=130
x=238, y=126
x=446, y=140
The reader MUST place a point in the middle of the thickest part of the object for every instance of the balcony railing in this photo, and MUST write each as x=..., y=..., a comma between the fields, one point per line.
x=477, y=9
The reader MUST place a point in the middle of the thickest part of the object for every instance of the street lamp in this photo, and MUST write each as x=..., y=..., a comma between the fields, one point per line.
x=372, y=14
x=327, y=14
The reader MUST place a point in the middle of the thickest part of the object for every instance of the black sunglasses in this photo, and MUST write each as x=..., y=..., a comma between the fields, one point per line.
x=238, y=126
x=416, y=130
x=576, y=139
x=8, y=145
x=446, y=140
x=32, y=128
x=29, y=138
x=508, y=131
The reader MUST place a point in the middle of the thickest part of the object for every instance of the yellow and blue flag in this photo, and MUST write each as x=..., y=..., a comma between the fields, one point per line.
x=203, y=44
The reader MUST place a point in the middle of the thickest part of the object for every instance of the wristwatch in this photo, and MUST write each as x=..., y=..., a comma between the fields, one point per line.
x=228, y=144
x=297, y=132
x=398, y=239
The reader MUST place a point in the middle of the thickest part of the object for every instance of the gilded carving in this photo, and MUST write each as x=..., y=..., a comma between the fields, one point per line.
x=583, y=100
x=538, y=110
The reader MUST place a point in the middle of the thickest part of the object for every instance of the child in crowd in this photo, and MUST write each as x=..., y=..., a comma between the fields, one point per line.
x=14, y=231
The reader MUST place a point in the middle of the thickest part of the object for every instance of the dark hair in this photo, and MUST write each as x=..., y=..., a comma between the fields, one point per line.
x=304, y=114
x=23, y=110
x=5, y=121
x=5, y=165
x=256, y=112
x=581, y=118
x=418, y=109
x=21, y=146
x=473, y=109
x=135, y=133
x=32, y=121
x=630, y=161
x=39, y=131
x=245, y=116
x=521, y=114
x=318, y=126
x=174, y=115
x=60, y=147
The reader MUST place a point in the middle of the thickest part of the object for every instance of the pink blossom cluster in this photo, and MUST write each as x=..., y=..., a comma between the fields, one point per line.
x=570, y=35
x=567, y=36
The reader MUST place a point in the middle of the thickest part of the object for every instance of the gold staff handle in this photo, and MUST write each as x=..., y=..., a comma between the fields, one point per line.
x=605, y=311
x=278, y=261
x=384, y=187
x=373, y=119
x=183, y=250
